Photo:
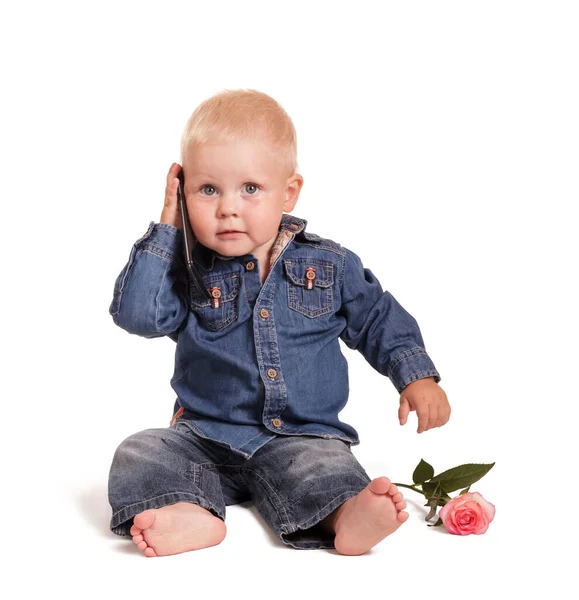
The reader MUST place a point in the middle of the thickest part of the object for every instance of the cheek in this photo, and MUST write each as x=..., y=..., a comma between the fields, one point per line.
x=199, y=216
x=266, y=228
x=266, y=216
x=201, y=230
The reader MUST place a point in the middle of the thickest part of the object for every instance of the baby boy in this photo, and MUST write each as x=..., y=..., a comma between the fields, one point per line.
x=259, y=374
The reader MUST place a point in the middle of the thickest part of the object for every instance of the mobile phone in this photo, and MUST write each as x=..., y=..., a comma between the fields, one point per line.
x=189, y=239
x=188, y=235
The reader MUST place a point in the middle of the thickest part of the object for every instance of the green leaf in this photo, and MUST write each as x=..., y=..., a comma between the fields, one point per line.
x=437, y=524
x=429, y=490
x=465, y=491
x=422, y=472
x=461, y=476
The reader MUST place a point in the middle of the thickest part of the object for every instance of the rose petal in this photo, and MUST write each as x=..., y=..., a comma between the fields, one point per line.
x=488, y=507
x=466, y=514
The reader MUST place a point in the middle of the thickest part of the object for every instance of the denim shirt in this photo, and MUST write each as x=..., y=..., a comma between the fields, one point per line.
x=256, y=361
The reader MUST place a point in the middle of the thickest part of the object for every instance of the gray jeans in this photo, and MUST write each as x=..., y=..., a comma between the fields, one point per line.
x=294, y=481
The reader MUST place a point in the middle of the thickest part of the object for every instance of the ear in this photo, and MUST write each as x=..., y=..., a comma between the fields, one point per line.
x=293, y=188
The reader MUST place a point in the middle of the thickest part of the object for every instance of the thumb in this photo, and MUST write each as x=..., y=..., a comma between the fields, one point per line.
x=403, y=410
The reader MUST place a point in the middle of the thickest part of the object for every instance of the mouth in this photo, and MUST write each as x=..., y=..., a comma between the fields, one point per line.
x=227, y=233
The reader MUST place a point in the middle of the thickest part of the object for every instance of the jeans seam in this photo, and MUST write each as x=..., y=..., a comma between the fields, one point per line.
x=158, y=303
x=276, y=502
x=160, y=252
x=323, y=246
x=244, y=288
x=248, y=442
x=406, y=354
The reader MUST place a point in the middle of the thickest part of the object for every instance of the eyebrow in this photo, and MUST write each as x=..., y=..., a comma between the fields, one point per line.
x=204, y=177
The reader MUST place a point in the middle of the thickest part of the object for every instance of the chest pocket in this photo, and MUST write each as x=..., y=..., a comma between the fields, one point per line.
x=218, y=313
x=310, y=286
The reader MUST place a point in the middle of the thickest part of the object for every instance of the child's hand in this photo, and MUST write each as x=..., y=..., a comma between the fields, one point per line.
x=171, y=213
x=429, y=401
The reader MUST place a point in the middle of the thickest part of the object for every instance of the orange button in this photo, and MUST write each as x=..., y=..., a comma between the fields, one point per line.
x=271, y=373
x=276, y=423
x=250, y=266
x=264, y=313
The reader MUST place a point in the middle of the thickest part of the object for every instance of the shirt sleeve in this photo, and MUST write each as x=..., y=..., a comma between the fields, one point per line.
x=378, y=326
x=149, y=297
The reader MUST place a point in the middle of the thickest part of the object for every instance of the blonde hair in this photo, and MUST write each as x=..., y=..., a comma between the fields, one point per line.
x=240, y=115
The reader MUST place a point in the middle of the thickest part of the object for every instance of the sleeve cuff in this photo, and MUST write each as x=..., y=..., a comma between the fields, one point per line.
x=411, y=365
x=164, y=238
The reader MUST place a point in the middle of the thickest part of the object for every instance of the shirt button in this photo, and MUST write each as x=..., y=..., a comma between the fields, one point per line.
x=264, y=313
x=250, y=265
x=276, y=423
x=271, y=373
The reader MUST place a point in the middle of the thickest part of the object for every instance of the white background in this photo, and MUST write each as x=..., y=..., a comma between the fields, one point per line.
x=438, y=140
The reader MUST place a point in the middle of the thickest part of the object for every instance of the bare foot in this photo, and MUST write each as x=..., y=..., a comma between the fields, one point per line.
x=176, y=528
x=363, y=521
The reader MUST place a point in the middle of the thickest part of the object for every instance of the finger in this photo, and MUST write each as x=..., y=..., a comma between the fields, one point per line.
x=432, y=416
x=403, y=410
x=173, y=171
x=445, y=414
x=423, y=414
x=171, y=213
x=170, y=204
x=172, y=176
x=443, y=411
x=436, y=416
x=171, y=193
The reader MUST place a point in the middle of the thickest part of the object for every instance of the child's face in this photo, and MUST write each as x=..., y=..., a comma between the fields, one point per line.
x=236, y=193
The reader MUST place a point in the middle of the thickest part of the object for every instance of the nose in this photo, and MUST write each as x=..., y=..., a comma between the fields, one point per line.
x=228, y=206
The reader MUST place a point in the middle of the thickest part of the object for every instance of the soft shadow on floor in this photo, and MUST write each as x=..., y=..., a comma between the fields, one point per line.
x=273, y=538
x=94, y=505
x=275, y=541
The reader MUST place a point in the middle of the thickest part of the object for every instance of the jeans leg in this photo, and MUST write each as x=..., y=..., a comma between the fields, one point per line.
x=298, y=481
x=158, y=467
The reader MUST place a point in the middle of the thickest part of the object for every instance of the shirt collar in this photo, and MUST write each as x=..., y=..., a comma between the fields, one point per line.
x=206, y=257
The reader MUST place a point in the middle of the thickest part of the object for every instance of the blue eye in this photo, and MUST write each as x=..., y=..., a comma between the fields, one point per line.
x=208, y=186
x=249, y=186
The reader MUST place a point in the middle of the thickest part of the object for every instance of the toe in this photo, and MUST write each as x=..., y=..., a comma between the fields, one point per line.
x=144, y=520
x=393, y=490
x=137, y=539
x=150, y=552
x=380, y=486
x=402, y=516
x=400, y=505
x=397, y=497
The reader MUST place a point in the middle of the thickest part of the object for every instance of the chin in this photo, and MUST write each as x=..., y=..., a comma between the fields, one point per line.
x=230, y=249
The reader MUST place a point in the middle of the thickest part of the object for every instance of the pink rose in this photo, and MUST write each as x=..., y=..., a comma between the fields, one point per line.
x=466, y=514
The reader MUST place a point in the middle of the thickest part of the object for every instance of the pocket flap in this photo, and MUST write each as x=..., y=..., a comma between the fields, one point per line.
x=229, y=286
x=296, y=271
